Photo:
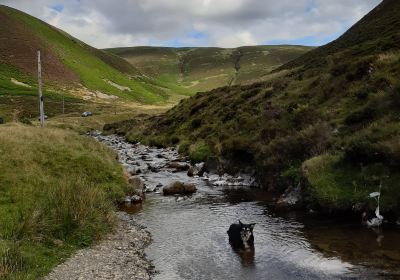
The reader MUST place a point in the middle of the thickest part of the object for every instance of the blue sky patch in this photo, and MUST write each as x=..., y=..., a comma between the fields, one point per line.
x=57, y=7
x=308, y=40
x=197, y=35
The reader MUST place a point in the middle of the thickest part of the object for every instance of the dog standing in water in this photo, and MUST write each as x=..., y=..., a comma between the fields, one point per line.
x=241, y=235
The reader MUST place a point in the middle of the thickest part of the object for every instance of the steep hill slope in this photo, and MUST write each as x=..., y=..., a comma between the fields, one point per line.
x=375, y=33
x=330, y=119
x=200, y=69
x=67, y=62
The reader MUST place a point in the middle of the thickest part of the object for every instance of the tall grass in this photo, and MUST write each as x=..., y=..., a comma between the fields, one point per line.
x=11, y=261
x=56, y=194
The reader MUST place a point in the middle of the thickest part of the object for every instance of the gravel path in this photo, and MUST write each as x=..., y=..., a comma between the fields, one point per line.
x=119, y=256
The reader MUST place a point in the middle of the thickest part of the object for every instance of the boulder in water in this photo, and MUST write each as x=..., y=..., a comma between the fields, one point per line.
x=179, y=188
x=196, y=170
x=152, y=187
x=135, y=199
x=179, y=166
x=136, y=185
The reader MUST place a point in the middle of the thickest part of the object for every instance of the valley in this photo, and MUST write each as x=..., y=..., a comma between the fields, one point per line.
x=301, y=140
x=203, y=69
x=328, y=120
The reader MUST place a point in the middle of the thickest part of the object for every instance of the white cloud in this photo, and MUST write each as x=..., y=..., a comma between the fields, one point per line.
x=227, y=23
x=235, y=39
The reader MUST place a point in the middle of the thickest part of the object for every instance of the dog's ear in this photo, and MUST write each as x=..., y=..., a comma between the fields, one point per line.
x=240, y=223
x=252, y=226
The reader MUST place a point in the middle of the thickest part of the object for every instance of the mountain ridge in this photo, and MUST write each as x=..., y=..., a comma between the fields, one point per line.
x=206, y=68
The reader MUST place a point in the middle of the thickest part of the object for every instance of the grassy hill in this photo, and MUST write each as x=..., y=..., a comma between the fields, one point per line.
x=67, y=63
x=330, y=119
x=200, y=69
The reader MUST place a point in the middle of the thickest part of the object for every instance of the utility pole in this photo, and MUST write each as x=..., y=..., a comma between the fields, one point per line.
x=63, y=107
x=41, y=107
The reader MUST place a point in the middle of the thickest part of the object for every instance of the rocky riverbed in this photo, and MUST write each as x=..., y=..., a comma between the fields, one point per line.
x=119, y=256
x=161, y=167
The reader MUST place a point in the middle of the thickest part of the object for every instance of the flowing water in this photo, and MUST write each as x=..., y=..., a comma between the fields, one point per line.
x=190, y=240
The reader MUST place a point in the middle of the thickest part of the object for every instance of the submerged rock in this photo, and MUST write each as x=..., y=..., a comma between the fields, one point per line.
x=196, y=170
x=153, y=168
x=152, y=187
x=179, y=188
x=178, y=166
x=134, y=199
x=220, y=183
x=292, y=198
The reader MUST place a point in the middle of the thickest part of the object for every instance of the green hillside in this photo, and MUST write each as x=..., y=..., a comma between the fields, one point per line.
x=200, y=69
x=330, y=119
x=67, y=62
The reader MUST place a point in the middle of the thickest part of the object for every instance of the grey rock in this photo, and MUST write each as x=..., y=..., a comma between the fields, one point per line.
x=178, y=166
x=291, y=198
x=136, y=185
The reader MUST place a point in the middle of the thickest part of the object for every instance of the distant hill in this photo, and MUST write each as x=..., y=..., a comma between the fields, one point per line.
x=67, y=62
x=329, y=120
x=200, y=69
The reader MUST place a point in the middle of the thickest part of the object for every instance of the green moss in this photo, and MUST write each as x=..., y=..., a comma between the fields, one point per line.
x=199, y=151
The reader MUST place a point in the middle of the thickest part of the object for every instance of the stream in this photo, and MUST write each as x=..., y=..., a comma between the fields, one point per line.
x=190, y=239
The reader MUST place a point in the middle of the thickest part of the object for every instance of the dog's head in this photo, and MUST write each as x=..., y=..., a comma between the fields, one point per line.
x=246, y=231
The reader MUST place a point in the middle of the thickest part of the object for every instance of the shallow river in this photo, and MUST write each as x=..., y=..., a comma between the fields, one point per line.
x=190, y=240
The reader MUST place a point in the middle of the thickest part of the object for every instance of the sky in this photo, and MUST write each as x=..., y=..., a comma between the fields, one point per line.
x=179, y=23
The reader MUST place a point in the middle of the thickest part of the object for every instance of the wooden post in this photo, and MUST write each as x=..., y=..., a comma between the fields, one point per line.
x=41, y=107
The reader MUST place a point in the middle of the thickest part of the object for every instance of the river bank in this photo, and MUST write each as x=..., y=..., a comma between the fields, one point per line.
x=119, y=255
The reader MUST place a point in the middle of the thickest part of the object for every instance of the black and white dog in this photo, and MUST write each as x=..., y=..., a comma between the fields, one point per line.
x=241, y=235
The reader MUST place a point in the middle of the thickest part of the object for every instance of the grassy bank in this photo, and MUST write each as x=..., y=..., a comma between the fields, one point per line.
x=57, y=190
x=335, y=184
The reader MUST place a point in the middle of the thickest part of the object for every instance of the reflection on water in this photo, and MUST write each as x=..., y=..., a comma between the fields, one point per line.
x=130, y=208
x=190, y=241
x=246, y=255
